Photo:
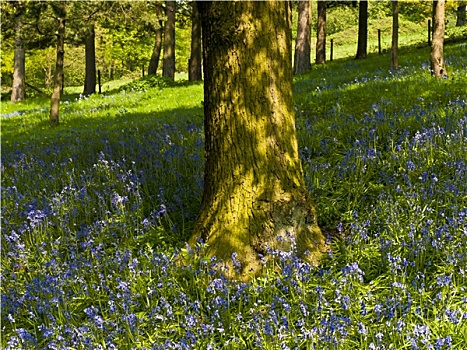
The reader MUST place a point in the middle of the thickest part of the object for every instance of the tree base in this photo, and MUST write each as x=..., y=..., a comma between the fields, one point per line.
x=289, y=225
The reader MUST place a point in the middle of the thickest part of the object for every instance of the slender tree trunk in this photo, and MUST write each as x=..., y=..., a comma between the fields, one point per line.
x=112, y=71
x=461, y=15
x=168, y=69
x=254, y=189
x=90, y=58
x=19, y=72
x=194, y=69
x=55, y=100
x=302, y=59
x=362, y=29
x=438, y=68
x=48, y=76
x=156, y=52
x=321, y=33
x=395, y=34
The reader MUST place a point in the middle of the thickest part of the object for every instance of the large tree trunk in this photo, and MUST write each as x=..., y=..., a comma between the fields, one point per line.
x=321, y=33
x=90, y=61
x=362, y=29
x=438, y=68
x=302, y=61
x=156, y=52
x=168, y=68
x=461, y=15
x=395, y=34
x=254, y=188
x=19, y=72
x=58, y=81
x=194, y=69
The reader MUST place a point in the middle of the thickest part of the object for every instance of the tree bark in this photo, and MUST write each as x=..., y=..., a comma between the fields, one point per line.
x=321, y=33
x=19, y=72
x=156, y=52
x=90, y=62
x=395, y=34
x=55, y=100
x=194, y=69
x=438, y=68
x=168, y=69
x=302, y=60
x=254, y=189
x=362, y=29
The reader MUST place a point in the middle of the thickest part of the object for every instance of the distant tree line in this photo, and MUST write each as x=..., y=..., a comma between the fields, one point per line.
x=142, y=35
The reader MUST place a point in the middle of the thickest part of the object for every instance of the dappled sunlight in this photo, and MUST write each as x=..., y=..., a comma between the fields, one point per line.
x=254, y=186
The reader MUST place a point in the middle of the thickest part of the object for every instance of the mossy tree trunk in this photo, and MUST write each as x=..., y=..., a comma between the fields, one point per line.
x=90, y=62
x=302, y=59
x=156, y=52
x=395, y=34
x=194, y=69
x=254, y=188
x=438, y=68
x=58, y=80
x=321, y=33
x=362, y=29
x=168, y=66
x=19, y=71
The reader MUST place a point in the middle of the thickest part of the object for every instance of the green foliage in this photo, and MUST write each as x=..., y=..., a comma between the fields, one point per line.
x=338, y=19
x=416, y=11
x=454, y=34
x=379, y=9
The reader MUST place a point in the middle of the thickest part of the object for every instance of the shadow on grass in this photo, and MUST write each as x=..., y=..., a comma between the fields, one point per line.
x=160, y=151
x=363, y=86
x=40, y=131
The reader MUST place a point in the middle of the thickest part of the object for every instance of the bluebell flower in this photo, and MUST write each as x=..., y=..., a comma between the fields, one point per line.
x=444, y=280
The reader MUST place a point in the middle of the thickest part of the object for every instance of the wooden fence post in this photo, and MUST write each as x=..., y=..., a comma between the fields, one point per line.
x=379, y=41
x=332, y=49
x=429, y=32
x=99, y=80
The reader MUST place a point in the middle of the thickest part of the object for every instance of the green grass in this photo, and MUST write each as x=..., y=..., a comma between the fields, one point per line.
x=410, y=35
x=345, y=42
x=96, y=211
x=97, y=111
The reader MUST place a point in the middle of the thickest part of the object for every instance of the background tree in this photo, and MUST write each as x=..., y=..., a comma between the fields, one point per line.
x=128, y=41
x=194, y=69
x=90, y=59
x=19, y=74
x=321, y=33
x=60, y=10
x=168, y=68
x=156, y=52
x=254, y=189
x=84, y=16
x=395, y=34
x=20, y=26
x=302, y=60
x=438, y=68
x=362, y=29
x=461, y=15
